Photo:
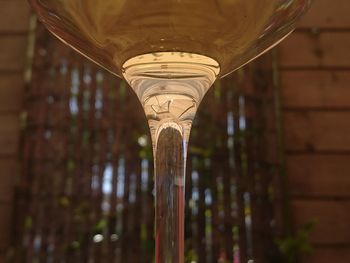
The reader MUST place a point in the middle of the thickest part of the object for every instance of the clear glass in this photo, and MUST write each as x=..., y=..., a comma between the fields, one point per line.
x=110, y=32
x=170, y=52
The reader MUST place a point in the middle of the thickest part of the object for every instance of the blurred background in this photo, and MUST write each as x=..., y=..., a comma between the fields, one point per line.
x=268, y=177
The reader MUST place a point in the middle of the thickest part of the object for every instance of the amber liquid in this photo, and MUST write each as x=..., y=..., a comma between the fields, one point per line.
x=112, y=31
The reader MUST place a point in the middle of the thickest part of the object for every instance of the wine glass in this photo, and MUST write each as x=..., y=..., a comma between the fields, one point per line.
x=170, y=52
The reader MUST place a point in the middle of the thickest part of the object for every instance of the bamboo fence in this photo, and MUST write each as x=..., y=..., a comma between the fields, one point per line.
x=86, y=189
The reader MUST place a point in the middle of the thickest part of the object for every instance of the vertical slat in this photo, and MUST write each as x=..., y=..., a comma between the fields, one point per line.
x=114, y=135
x=240, y=183
x=253, y=186
x=228, y=219
x=60, y=204
x=201, y=214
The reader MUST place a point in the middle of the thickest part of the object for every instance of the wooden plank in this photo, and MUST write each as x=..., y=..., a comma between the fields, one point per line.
x=317, y=88
x=317, y=130
x=327, y=14
x=8, y=177
x=328, y=255
x=5, y=223
x=303, y=49
x=332, y=219
x=11, y=92
x=14, y=15
x=319, y=175
x=9, y=134
x=12, y=52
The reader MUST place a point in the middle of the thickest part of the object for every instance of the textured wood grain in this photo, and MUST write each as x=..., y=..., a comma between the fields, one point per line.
x=11, y=92
x=314, y=175
x=8, y=176
x=316, y=89
x=14, y=15
x=5, y=222
x=9, y=134
x=304, y=49
x=327, y=14
x=317, y=131
x=12, y=52
x=327, y=255
x=332, y=220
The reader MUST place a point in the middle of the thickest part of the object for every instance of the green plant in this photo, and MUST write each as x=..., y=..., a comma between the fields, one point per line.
x=292, y=246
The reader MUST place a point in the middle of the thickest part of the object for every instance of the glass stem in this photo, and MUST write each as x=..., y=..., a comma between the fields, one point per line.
x=170, y=166
x=170, y=87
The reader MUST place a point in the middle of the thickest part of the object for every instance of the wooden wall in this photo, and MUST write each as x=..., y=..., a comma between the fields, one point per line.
x=14, y=16
x=315, y=83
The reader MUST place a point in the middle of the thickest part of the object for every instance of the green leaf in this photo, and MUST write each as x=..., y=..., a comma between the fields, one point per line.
x=100, y=226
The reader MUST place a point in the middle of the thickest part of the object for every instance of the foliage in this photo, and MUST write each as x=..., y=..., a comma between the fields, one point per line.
x=292, y=246
x=100, y=226
x=191, y=256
